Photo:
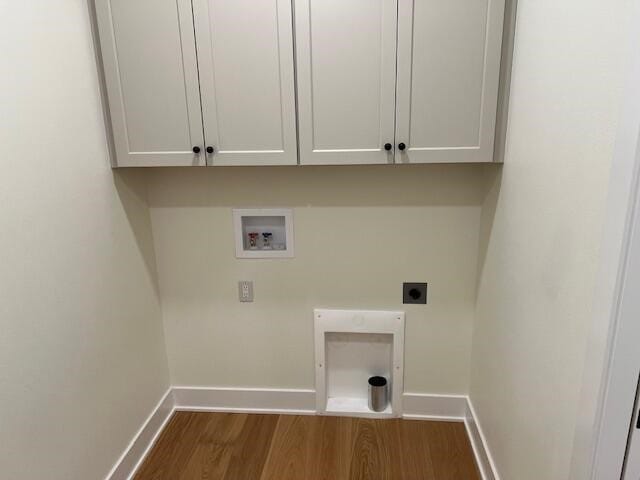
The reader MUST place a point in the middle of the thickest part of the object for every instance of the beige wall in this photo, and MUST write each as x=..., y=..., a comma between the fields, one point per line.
x=82, y=359
x=360, y=232
x=542, y=227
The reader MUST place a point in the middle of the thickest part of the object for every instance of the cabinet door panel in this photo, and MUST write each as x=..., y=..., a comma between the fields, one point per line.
x=245, y=53
x=149, y=58
x=346, y=60
x=448, y=75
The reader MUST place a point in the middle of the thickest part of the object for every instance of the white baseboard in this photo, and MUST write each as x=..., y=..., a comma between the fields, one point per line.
x=444, y=408
x=142, y=442
x=247, y=400
x=416, y=406
x=479, y=444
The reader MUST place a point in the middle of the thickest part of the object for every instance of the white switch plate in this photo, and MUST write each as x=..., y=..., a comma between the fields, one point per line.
x=245, y=291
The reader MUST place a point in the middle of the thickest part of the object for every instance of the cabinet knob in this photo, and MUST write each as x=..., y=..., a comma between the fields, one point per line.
x=387, y=146
x=210, y=149
x=196, y=149
x=401, y=146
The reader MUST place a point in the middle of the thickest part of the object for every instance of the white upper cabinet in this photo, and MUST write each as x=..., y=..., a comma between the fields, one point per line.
x=214, y=82
x=149, y=58
x=346, y=72
x=448, y=74
x=245, y=55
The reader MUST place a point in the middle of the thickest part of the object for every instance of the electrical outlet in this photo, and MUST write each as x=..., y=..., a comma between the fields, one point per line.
x=414, y=293
x=245, y=291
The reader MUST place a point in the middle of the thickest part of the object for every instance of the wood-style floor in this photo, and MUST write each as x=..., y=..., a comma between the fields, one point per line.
x=211, y=446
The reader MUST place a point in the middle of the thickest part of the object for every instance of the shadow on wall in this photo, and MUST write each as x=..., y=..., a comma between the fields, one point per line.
x=131, y=186
x=492, y=186
x=328, y=186
x=324, y=186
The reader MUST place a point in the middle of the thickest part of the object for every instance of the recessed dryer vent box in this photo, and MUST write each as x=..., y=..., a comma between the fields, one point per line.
x=350, y=347
x=263, y=232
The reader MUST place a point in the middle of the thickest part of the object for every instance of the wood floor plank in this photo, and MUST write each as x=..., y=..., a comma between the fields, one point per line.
x=415, y=455
x=389, y=437
x=174, y=448
x=289, y=447
x=213, y=454
x=450, y=451
x=330, y=448
x=310, y=448
x=371, y=456
x=253, y=444
x=224, y=446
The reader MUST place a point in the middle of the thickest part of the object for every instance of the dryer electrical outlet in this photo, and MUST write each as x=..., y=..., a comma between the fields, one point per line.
x=414, y=293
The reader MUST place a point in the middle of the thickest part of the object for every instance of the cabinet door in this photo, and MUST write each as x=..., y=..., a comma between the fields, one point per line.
x=149, y=58
x=448, y=73
x=245, y=55
x=346, y=67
